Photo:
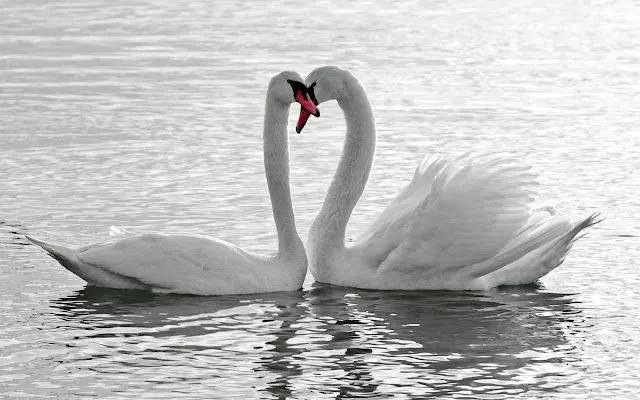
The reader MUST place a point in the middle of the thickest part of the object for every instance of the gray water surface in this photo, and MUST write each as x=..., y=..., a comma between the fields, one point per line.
x=148, y=116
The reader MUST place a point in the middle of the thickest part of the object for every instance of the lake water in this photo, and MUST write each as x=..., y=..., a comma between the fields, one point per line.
x=148, y=115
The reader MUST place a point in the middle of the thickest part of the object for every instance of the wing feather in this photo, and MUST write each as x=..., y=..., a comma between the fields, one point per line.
x=453, y=214
x=182, y=263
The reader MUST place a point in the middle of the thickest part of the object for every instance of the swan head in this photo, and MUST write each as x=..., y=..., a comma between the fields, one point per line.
x=288, y=87
x=327, y=83
x=323, y=84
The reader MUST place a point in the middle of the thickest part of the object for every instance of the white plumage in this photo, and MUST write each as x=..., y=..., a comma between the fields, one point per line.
x=464, y=223
x=177, y=264
x=201, y=265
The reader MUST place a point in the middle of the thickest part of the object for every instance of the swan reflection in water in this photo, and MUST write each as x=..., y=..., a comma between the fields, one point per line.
x=325, y=341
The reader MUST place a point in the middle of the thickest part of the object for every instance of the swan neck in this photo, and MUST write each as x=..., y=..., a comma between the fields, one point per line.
x=276, y=164
x=350, y=179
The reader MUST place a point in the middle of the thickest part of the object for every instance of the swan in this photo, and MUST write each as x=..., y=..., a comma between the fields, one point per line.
x=200, y=265
x=460, y=224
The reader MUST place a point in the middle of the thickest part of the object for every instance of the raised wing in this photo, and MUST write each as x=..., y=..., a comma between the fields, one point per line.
x=453, y=214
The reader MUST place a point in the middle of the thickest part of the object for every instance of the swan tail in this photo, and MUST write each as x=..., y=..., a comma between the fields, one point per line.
x=92, y=274
x=64, y=255
x=537, y=263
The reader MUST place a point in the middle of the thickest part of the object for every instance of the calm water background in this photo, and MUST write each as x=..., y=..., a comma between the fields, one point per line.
x=148, y=115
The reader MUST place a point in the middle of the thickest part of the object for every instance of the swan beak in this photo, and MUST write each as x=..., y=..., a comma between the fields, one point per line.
x=302, y=119
x=307, y=108
x=306, y=103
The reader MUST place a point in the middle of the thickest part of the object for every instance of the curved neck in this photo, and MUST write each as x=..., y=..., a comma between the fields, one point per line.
x=328, y=229
x=276, y=165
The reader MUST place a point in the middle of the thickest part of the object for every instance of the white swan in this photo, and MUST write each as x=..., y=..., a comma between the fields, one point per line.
x=463, y=224
x=200, y=265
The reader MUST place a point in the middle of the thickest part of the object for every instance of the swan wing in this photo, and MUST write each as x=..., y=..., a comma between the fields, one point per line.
x=407, y=199
x=452, y=214
x=176, y=263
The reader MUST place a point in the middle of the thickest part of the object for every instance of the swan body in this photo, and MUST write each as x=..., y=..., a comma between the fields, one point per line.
x=201, y=265
x=460, y=224
x=178, y=264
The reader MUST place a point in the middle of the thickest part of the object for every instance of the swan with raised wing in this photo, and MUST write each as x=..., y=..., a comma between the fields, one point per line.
x=201, y=265
x=460, y=224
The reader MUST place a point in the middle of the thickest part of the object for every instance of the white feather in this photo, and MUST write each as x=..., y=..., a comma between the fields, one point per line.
x=200, y=265
x=115, y=231
x=464, y=223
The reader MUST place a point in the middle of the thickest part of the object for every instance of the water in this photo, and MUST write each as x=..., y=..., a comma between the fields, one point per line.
x=148, y=115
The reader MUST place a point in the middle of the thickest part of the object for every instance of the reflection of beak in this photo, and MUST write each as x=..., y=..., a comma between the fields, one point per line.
x=307, y=108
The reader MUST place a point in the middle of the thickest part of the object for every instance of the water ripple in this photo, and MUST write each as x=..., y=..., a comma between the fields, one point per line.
x=148, y=115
